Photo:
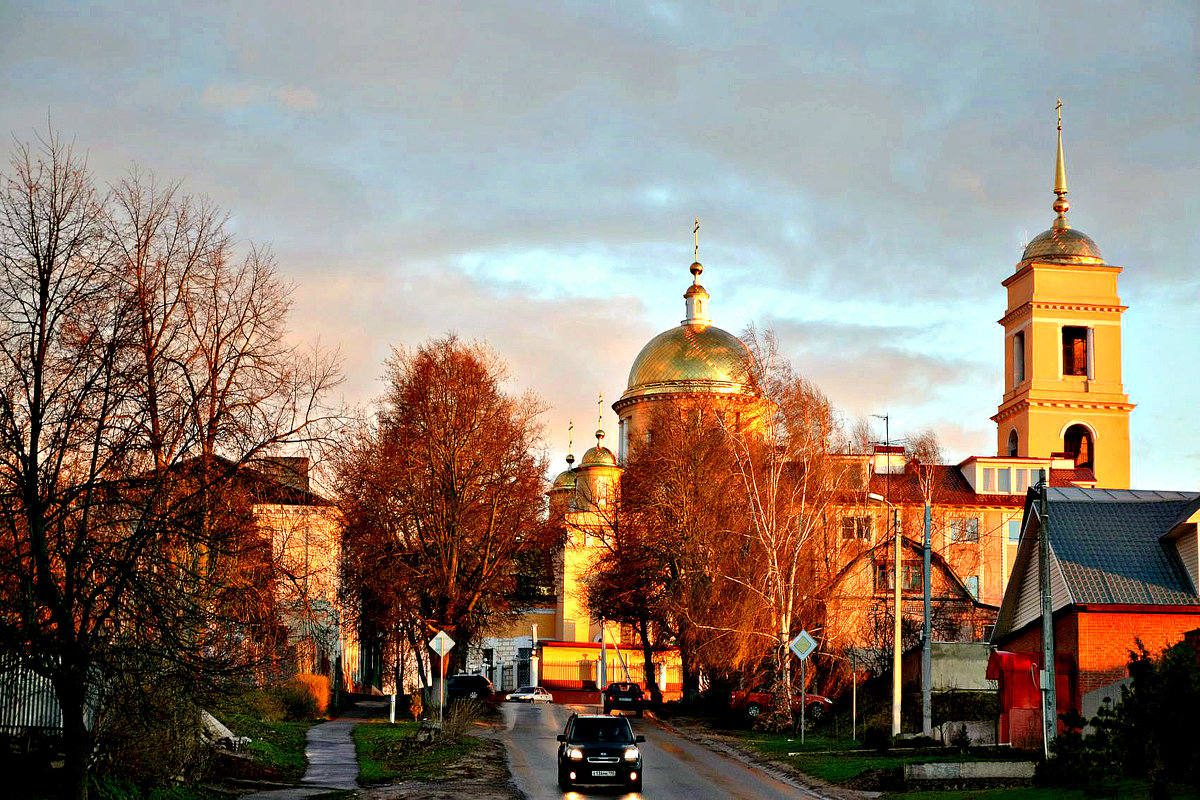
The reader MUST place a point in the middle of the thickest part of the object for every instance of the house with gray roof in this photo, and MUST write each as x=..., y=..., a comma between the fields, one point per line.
x=1124, y=572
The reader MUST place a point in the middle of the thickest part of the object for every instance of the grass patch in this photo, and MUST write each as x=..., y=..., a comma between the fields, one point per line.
x=108, y=788
x=842, y=761
x=390, y=753
x=278, y=747
x=1124, y=790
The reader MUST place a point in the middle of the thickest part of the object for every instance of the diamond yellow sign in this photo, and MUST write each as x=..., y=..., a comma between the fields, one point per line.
x=804, y=645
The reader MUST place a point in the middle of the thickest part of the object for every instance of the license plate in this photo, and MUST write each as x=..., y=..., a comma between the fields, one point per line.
x=623, y=699
x=604, y=773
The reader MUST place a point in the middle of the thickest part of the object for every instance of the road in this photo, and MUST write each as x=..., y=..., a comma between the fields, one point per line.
x=674, y=766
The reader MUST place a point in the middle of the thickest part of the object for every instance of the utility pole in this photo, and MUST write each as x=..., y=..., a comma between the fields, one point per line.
x=927, y=633
x=897, y=651
x=1049, y=701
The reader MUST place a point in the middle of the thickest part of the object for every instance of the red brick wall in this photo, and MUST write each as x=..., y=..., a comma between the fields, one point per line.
x=1095, y=643
x=1106, y=638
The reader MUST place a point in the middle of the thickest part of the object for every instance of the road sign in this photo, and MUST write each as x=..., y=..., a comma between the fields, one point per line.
x=441, y=644
x=804, y=645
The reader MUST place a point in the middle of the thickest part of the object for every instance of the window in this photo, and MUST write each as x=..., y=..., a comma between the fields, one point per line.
x=1018, y=357
x=1014, y=531
x=1014, y=443
x=964, y=529
x=912, y=578
x=856, y=527
x=973, y=585
x=1004, y=481
x=1075, y=350
x=989, y=480
x=883, y=577
x=1078, y=444
x=1022, y=479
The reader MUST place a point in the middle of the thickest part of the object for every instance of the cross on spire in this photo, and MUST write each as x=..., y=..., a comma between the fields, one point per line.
x=1061, y=204
x=599, y=419
x=696, y=236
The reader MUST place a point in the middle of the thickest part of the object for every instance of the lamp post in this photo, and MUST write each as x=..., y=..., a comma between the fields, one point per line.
x=896, y=647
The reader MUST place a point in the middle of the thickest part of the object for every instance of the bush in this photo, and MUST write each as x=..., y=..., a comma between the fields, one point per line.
x=878, y=738
x=960, y=739
x=459, y=717
x=298, y=702
x=317, y=686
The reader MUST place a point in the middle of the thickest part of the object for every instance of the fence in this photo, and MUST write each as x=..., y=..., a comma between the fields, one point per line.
x=27, y=701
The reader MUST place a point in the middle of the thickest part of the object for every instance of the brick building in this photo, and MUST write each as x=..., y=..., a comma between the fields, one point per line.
x=1123, y=571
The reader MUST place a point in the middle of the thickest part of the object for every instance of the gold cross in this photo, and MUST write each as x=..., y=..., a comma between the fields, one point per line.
x=1058, y=108
x=696, y=234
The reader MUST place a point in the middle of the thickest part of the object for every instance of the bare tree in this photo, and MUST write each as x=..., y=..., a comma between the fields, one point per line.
x=119, y=440
x=442, y=493
x=790, y=482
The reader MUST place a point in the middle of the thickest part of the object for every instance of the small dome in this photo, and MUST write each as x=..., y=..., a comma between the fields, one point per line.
x=565, y=480
x=694, y=358
x=598, y=456
x=1062, y=245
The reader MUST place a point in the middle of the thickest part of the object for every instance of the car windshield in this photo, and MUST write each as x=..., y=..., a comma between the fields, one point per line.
x=602, y=730
x=525, y=690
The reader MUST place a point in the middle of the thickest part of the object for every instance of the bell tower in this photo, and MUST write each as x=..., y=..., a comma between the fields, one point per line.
x=1062, y=364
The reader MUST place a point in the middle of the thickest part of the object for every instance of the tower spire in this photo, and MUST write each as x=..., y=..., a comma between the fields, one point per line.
x=599, y=419
x=696, y=297
x=1061, y=204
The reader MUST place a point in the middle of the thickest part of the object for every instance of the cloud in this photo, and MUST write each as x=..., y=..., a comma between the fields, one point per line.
x=297, y=98
x=229, y=96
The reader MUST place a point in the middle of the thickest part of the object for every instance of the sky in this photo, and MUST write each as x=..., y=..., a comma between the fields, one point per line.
x=527, y=174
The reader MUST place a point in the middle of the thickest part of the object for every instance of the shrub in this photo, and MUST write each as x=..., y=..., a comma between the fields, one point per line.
x=459, y=716
x=298, y=702
x=960, y=739
x=878, y=738
x=317, y=686
x=415, y=705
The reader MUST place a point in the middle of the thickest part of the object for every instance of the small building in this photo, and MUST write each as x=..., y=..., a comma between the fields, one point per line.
x=1124, y=571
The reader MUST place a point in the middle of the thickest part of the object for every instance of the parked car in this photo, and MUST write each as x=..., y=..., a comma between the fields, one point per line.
x=596, y=749
x=530, y=694
x=623, y=697
x=469, y=687
x=755, y=703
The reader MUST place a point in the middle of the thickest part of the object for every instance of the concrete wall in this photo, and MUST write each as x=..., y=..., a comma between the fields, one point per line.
x=956, y=665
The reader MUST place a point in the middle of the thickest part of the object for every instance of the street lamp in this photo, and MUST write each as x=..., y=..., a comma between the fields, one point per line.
x=896, y=651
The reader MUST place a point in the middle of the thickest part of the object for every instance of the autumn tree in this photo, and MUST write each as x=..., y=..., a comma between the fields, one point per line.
x=790, y=482
x=142, y=365
x=442, y=493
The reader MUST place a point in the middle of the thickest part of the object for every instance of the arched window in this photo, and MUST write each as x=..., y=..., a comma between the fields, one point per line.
x=1018, y=358
x=1013, y=442
x=1079, y=445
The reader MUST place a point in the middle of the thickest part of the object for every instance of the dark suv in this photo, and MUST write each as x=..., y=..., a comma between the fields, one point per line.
x=623, y=697
x=468, y=687
x=599, y=749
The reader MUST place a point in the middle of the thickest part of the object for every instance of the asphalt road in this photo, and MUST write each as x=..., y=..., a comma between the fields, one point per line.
x=673, y=765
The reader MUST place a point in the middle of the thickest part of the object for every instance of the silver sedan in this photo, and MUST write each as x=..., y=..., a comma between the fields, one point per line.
x=530, y=694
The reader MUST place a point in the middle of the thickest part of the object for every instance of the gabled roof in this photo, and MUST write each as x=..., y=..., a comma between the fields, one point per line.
x=1106, y=545
x=938, y=563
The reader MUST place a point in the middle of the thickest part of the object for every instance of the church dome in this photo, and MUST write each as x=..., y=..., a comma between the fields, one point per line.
x=598, y=456
x=565, y=480
x=1063, y=245
x=692, y=358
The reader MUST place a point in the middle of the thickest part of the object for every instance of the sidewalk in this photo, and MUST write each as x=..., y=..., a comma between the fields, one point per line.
x=332, y=763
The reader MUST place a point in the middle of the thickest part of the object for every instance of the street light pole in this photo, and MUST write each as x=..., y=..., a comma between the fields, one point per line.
x=896, y=608
x=927, y=634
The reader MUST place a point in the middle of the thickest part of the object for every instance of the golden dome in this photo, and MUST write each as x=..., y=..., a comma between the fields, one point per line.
x=692, y=358
x=1063, y=245
x=565, y=480
x=598, y=456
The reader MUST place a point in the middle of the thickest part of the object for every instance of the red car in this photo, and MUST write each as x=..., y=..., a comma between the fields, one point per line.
x=755, y=703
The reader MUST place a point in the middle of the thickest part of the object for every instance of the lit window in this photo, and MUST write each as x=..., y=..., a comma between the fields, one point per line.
x=973, y=585
x=989, y=480
x=1014, y=531
x=964, y=529
x=856, y=527
x=1004, y=481
x=1075, y=350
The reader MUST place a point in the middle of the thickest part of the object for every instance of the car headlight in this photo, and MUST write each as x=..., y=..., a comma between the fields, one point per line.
x=632, y=753
x=575, y=754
